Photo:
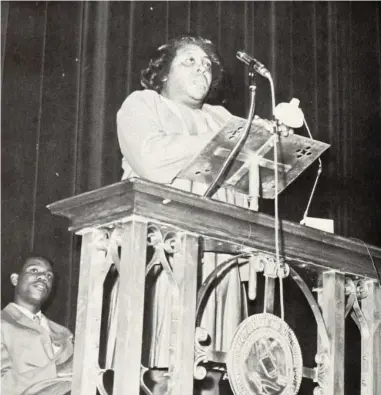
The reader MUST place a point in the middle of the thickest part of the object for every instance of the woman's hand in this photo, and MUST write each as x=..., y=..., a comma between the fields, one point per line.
x=283, y=129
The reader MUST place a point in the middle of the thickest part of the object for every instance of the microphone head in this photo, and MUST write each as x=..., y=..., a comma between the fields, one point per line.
x=253, y=63
x=243, y=57
x=240, y=55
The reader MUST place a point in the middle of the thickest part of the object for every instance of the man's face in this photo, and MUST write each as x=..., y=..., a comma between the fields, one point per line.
x=34, y=282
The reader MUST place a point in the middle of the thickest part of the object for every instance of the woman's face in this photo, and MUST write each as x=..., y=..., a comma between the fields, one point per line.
x=189, y=77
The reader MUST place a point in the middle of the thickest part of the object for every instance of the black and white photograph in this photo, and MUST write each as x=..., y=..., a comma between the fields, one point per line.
x=191, y=197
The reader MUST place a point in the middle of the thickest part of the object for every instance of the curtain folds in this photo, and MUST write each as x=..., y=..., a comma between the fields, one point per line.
x=85, y=58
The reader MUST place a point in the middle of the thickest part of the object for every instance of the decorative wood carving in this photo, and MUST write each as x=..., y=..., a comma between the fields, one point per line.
x=128, y=217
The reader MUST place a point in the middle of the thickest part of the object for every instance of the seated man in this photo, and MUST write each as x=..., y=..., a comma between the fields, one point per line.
x=36, y=353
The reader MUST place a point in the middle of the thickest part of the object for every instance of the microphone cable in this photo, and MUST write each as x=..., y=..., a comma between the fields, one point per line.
x=371, y=258
x=320, y=170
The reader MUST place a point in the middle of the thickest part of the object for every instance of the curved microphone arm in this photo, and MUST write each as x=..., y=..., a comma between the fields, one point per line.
x=216, y=183
x=276, y=187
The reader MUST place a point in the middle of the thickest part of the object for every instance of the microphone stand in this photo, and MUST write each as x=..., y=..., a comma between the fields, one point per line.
x=216, y=184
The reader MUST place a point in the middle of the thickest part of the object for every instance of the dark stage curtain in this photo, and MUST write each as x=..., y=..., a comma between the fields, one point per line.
x=67, y=67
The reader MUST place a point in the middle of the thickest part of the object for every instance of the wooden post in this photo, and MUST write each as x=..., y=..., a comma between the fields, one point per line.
x=185, y=266
x=93, y=269
x=131, y=307
x=371, y=346
x=333, y=308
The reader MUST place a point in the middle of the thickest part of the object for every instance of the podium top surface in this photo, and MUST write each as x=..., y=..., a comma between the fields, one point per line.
x=138, y=198
x=295, y=154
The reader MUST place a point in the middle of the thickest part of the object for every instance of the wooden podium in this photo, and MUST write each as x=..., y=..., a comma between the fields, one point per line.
x=117, y=223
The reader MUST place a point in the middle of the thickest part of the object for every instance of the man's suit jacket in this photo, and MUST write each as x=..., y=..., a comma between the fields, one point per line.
x=26, y=353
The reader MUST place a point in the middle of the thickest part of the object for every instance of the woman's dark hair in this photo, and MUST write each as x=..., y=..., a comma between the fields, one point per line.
x=154, y=75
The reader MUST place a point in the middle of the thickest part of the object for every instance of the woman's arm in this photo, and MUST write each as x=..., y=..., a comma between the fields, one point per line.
x=152, y=152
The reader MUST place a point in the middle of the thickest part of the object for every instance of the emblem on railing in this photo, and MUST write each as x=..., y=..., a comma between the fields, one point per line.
x=264, y=358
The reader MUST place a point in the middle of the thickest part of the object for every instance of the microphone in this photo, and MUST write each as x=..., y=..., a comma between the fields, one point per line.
x=252, y=62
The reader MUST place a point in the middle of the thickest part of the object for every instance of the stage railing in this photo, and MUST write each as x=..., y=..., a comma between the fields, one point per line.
x=119, y=222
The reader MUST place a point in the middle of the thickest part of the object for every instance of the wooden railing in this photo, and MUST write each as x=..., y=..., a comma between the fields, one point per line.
x=116, y=224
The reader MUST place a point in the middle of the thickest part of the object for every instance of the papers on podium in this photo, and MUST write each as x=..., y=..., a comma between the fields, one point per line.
x=327, y=225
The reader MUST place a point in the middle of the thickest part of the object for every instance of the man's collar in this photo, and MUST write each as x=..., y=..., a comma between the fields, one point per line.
x=28, y=313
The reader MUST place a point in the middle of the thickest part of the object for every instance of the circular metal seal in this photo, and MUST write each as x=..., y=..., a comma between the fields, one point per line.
x=264, y=358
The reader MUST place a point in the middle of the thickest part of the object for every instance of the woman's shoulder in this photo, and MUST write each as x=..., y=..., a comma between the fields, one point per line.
x=141, y=96
x=139, y=102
